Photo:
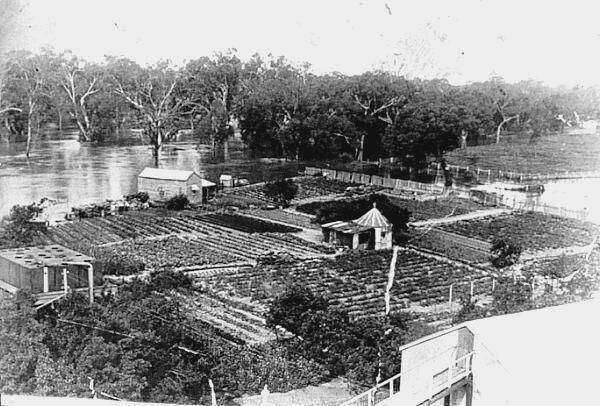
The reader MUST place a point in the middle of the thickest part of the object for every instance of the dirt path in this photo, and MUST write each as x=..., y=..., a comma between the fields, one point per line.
x=468, y=216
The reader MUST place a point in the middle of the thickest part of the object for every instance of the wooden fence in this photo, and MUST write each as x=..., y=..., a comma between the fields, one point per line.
x=513, y=176
x=375, y=180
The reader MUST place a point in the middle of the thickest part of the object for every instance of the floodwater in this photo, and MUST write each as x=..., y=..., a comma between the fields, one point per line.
x=572, y=194
x=73, y=173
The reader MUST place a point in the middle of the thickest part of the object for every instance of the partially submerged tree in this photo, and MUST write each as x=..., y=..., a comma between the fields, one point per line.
x=151, y=92
x=28, y=85
x=79, y=81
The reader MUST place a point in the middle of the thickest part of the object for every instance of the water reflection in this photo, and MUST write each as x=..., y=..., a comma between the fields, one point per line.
x=78, y=173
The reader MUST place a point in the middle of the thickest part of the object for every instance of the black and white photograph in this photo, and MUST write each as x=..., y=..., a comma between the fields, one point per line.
x=299, y=203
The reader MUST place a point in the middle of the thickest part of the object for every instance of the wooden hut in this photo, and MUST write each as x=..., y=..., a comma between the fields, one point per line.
x=370, y=231
x=163, y=184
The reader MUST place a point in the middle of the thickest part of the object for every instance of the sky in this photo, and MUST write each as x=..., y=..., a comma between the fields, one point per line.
x=557, y=42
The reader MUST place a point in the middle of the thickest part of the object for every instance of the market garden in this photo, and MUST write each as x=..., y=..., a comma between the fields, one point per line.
x=241, y=259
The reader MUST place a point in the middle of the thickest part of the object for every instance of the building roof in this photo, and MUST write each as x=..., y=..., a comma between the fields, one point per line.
x=347, y=227
x=207, y=183
x=373, y=218
x=165, y=174
x=48, y=255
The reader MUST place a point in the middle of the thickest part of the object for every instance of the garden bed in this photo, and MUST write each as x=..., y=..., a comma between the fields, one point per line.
x=533, y=231
x=356, y=281
x=308, y=187
x=176, y=240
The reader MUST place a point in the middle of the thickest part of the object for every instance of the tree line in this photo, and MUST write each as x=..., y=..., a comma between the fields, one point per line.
x=281, y=109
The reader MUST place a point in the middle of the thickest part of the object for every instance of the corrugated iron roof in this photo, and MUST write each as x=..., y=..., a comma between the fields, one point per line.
x=166, y=174
x=49, y=255
x=347, y=227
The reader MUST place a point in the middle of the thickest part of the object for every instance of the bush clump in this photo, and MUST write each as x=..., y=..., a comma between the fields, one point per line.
x=282, y=191
x=178, y=202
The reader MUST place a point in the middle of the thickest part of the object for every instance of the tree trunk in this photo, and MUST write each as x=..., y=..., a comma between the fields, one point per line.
x=499, y=129
x=83, y=135
x=359, y=155
x=226, y=150
x=28, y=136
x=60, y=119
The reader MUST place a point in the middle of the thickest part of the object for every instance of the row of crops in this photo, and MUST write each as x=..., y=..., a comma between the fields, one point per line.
x=234, y=323
x=308, y=187
x=532, y=230
x=296, y=219
x=185, y=240
x=356, y=281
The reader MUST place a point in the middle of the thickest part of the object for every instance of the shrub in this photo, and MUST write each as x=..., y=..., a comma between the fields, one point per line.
x=178, y=202
x=18, y=230
x=143, y=197
x=505, y=254
x=282, y=191
x=115, y=262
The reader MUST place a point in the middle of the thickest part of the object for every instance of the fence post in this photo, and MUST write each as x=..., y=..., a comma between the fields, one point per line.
x=493, y=284
x=450, y=297
x=472, y=288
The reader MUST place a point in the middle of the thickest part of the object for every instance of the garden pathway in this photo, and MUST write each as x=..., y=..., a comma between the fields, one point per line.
x=468, y=216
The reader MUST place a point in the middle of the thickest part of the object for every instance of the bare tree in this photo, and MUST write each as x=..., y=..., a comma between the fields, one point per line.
x=370, y=109
x=79, y=84
x=151, y=92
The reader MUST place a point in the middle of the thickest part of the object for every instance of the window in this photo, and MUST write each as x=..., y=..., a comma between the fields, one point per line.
x=364, y=238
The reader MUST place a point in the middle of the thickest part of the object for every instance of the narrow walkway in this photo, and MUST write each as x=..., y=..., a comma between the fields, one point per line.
x=468, y=216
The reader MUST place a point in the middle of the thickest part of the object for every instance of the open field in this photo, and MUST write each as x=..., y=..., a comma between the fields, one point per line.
x=533, y=231
x=551, y=154
x=355, y=281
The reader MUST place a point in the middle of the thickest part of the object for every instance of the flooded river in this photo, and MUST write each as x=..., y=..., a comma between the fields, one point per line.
x=75, y=173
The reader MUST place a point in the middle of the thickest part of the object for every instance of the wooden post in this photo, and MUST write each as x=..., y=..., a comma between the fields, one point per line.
x=450, y=297
x=65, y=282
x=472, y=288
x=46, y=284
x=489, y=174
x=91, y=282
x=493, y=284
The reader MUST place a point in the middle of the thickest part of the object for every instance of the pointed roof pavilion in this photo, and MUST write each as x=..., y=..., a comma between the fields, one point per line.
x=373, y=218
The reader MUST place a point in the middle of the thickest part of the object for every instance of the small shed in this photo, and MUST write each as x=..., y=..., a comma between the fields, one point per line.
x=42, y=269
x=370, y=231
x=163, y=184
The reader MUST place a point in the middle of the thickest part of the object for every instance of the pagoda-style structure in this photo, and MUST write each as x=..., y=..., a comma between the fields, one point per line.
x=371, y=231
